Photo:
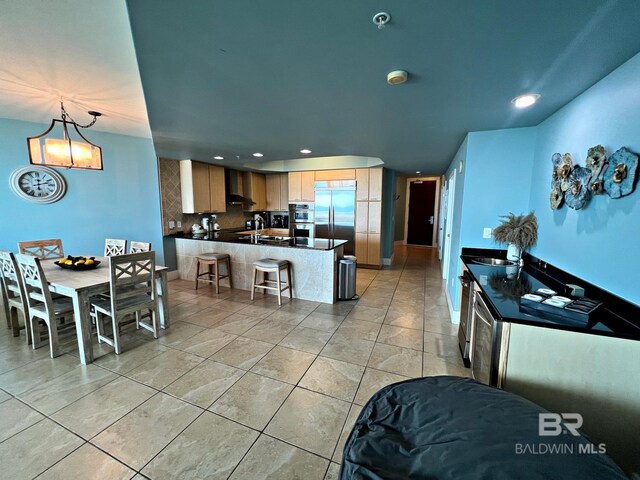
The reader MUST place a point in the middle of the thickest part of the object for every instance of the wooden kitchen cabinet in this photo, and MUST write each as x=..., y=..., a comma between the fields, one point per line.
x=202, y=187
x=362, y=184
x=375, y=217
x=217, y=190
x=308, y=180
x=273, y=192
x=295, y=187
x=373, y=249
x=302, y=187
x=255, y=187
x=375, y=184
x=284, y=192
x=324, y=175
x=361, y=250
x=277, y=192
x=362, y=217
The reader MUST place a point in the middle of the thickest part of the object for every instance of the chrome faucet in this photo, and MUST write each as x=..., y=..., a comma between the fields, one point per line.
x=257, y=218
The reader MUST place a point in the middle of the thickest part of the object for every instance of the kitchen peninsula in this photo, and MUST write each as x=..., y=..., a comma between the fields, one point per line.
x=313, y=260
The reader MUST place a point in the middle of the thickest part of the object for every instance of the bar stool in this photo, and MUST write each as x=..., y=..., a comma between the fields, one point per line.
x=213, y=275
x=271, y=265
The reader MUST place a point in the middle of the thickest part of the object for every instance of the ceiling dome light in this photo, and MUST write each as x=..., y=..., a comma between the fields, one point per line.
x=305, y=150
x=218, y=157
x=258, y=154
x=524, y=101
x=396, y=77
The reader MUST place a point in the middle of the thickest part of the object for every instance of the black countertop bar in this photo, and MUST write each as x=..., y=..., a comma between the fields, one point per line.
x=616, y=317
x=230, y=236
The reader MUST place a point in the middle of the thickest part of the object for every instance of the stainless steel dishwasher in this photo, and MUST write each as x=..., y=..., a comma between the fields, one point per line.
x=489, y=345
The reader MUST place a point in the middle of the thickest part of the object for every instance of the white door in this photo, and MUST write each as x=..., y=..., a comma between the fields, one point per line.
x=449, y=225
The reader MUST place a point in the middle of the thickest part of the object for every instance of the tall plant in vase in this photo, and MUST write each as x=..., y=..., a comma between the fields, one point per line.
x=518, y=232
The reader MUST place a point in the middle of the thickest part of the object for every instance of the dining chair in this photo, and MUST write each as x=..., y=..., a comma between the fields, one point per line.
x=42, y=248
x=114, y=247
x=137, y=247
x=15, y=300
x=132, y=290
x=43, y=309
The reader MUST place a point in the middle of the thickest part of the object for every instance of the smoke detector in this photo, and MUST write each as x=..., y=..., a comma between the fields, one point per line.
x=381, y=19
x=396, y=77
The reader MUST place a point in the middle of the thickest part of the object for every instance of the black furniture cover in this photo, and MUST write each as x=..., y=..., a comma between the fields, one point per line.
x=455, y=428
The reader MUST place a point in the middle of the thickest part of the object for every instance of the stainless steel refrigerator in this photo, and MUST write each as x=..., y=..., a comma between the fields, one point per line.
x=335, y=211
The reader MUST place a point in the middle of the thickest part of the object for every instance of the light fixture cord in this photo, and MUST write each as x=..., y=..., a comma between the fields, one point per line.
x=66, y=115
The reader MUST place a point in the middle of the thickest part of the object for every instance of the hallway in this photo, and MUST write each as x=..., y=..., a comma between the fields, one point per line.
x=234, y=389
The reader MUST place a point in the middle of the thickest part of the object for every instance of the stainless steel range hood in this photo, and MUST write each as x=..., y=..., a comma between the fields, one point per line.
x=233, y=184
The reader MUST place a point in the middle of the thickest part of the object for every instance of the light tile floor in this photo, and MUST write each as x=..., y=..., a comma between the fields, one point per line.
x=234, y=389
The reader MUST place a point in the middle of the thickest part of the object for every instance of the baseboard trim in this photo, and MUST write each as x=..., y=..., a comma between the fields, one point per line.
x=453, y=314
x=173, y=275
x=399, y=242
x=388, y=261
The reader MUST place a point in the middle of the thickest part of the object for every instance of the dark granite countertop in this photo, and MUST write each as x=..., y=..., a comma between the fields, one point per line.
x=503, y=286
x=228, y=236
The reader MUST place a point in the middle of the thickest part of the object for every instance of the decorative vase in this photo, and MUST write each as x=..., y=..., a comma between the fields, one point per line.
x=513, y=252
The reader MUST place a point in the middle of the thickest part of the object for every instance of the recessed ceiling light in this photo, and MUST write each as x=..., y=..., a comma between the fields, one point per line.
x=524, y=101
x=218, y=157
x=258, y=154
x=305, y=150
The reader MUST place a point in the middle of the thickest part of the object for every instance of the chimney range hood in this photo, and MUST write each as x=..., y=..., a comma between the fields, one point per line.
x=233, y=184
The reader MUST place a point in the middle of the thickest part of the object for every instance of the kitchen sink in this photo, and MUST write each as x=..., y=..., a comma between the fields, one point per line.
x=493, y=262
x=274, y=238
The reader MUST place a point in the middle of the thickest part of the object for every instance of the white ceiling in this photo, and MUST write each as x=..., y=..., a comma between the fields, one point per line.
x=80, y=50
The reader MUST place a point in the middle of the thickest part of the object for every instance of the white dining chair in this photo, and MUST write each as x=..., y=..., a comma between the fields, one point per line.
x=132, y=290
x=137, y=247
x=14, y=294
x=113, y=246
x=43, y=309
x=43, y=249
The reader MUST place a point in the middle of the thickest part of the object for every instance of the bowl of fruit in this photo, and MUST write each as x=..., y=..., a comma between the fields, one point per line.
x=78, y=263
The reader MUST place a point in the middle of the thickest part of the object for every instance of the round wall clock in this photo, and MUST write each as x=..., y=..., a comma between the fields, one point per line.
x=38, y=184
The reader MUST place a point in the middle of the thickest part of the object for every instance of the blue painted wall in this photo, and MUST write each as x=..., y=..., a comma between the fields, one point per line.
x=388, y=211
x=510, y=170
x=600, y=242
x=453, y=285
x=122, y=201
x=495, y=180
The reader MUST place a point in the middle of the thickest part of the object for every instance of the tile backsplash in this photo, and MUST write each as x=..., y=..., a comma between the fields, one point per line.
x=171, y=199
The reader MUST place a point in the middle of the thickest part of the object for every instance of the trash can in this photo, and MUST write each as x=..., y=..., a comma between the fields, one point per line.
x=347, y=277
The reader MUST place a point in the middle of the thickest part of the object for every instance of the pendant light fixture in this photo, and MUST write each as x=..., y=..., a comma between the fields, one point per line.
x=62, y=145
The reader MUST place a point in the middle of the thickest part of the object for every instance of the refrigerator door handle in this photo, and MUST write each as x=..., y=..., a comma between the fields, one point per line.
x=331, y=222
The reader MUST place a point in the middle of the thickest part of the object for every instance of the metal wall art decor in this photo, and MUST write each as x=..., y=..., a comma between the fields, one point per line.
x=575, y=185
x=620, y=176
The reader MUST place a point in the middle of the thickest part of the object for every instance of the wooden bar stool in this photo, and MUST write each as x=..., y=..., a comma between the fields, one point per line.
x=271, y=265
x=212, y=275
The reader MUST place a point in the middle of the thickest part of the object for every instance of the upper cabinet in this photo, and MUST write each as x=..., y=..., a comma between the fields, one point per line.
x=302, y=187
x=278, y=192
x=295, y=187
x=256, y=189
x=369, y=184
x=349, y=174
x=202, y=187
x=362, y=184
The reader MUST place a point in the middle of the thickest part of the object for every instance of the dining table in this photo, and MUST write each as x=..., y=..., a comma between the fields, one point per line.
x=81, y=285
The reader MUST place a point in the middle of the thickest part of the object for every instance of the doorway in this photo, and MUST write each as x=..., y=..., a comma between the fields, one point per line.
x=422, y=208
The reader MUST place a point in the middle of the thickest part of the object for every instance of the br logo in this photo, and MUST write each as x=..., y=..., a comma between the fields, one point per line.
x=554, y=424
